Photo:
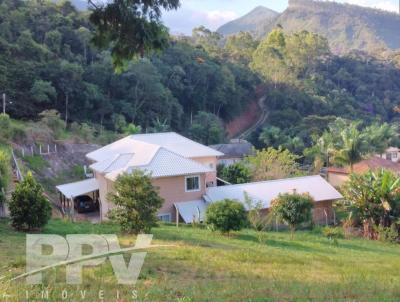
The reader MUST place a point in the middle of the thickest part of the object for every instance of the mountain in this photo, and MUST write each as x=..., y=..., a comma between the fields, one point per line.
x=255, y=22
x=346, y=26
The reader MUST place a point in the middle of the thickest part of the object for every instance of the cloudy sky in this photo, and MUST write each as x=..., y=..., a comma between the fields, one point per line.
x=213, y=13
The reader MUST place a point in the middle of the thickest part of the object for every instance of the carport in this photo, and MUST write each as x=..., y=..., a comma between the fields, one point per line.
x=70, y=191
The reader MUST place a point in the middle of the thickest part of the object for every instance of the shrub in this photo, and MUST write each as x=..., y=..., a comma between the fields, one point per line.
x=29, y=209
x=256, y=218
x=4, y=174
x=52, y=119
x=226, y=215
x=293, y=209
x=237, y=173
x=388, y=234
x=137, y=202
x=333, y=234
x=5, y=126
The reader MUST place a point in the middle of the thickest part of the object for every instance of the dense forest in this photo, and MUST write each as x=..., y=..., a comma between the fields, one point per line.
x=47, y=61
x=195, y=85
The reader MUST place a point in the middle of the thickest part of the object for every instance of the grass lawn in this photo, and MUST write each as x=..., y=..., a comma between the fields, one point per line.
x=205, y=266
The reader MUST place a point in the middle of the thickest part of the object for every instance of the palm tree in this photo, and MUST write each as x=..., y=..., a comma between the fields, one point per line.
x=352, y=148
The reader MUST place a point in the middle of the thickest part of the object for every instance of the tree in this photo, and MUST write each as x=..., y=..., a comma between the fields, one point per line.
x=43, y=91
x=374, y=197
x=226, y=215
x=353, y=147
x=207, y=128
x=137, y=202
x=273, y=163
x=131, y=129
x=293, y=209
x=255, y=215
x=131, y=27
x=5, y=126
x=237, y=173
x=52, y=119
x=208, y=39
x=269, y=58
x=69, y=79
x=29, y=208
x=240, y=47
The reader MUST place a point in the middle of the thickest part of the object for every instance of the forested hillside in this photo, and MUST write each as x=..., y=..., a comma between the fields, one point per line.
x=347, y=27
x=48, y=62
x=194, y=86
x=255, y=22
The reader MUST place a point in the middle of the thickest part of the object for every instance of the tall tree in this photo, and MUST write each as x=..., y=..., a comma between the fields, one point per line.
x=131, y=27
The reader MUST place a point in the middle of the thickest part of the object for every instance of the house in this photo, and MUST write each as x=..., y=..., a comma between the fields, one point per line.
x=181, y=168
x=392, y=153
x=185, y=173
x=266, y=191
x=233, y=152
x=338, y=176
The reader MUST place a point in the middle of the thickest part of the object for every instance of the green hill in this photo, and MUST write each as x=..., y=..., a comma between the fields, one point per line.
x=346, y=26
x=255, y=21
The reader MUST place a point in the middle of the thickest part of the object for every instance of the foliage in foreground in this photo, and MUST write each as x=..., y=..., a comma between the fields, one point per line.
x=374, y=197
x=293, y=209
x=137, y=202
x=29, y=208
x=226, y=216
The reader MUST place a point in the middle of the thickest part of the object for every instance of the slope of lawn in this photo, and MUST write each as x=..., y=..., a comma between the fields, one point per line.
x=206, y=266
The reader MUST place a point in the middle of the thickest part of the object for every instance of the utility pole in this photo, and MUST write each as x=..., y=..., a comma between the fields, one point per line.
x=4, y=103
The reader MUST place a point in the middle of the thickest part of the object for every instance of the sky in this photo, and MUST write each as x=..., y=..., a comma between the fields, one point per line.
x=214, y=13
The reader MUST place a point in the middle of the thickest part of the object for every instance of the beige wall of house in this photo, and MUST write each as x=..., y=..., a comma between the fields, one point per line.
x=106, y=186
x=210, y=162
x=171, y=189
x=337, y=179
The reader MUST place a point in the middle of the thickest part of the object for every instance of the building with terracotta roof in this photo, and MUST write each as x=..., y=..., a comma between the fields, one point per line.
x=338, y=176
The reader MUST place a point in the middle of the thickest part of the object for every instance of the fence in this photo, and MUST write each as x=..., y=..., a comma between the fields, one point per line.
x=37, y=150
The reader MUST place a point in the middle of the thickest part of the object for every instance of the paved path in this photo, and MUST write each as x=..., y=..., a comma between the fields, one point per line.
x=261, y=120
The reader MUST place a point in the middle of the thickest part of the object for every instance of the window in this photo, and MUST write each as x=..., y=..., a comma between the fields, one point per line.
x=394, y=155
x=192, y=183
x=164, y=217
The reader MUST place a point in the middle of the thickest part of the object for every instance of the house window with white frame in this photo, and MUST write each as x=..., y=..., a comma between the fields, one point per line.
x=192, y=183
x=164, y=217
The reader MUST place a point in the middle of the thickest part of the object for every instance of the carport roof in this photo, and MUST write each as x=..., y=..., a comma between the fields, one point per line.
x=75, y=189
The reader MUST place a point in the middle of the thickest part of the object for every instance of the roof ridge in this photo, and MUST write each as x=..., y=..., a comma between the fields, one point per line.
x=118, y=155
x=270, y=181
x=174, y=153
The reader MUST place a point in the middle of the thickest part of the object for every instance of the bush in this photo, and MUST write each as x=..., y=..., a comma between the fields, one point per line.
x=52, y=119
x=388, y=234
x=29, y=209
x=226, y=215
x=5, y=126
x=333, y=234
x=4, y=174
x=237, y=173
x=293, y=209
x=137, y=202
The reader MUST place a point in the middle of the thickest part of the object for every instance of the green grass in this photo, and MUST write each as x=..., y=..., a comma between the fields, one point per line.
x=205, y=266
x=35, y=162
